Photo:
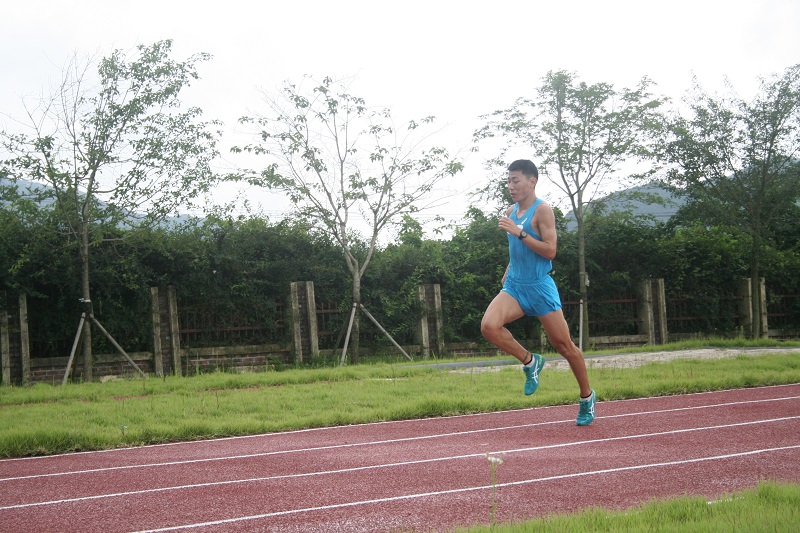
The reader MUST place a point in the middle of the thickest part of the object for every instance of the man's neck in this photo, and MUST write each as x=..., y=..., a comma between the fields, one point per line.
x=525, y=203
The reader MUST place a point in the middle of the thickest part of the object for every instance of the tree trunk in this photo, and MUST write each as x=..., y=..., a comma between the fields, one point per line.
x=355, y=336
x=583, y=280
x=755, y=281
x=88, y=362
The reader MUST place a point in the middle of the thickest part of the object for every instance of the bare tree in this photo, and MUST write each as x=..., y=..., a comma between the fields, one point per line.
x=339, y=160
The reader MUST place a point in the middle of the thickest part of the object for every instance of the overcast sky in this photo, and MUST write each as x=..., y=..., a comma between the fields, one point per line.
x=452, y=59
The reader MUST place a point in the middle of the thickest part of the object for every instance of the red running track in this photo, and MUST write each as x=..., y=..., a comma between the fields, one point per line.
x=431, y=474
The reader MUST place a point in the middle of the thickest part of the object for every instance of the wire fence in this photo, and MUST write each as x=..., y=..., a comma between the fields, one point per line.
x=268, y=323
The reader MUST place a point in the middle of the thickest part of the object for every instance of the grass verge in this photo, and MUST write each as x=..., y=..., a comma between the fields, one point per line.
x=45, y=419
x=768, y=507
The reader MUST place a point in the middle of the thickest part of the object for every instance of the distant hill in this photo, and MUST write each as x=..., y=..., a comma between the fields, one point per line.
x=24, y=187
x=29, y=188
x=651, y=202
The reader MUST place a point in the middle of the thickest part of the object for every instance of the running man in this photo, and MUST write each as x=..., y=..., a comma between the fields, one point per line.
x=529, y=290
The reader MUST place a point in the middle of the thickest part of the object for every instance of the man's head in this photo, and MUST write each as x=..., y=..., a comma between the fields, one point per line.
x=522, y=179
x=526, y=167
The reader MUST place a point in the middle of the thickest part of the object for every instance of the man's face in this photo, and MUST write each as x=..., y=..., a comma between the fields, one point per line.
x=519, y=185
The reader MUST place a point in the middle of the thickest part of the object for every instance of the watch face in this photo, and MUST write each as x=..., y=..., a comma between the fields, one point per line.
x=522, y=234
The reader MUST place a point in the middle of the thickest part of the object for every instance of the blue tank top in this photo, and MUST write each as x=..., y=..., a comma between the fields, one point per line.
x=525, y=265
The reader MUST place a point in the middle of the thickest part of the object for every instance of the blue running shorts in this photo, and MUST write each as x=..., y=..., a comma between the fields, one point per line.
x=536, y=298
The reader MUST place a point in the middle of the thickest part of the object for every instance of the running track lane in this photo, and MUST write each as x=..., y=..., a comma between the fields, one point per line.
x=431, y=474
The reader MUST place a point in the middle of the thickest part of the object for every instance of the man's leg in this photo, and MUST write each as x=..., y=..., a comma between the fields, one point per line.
x=502, y=310
x=558, y=334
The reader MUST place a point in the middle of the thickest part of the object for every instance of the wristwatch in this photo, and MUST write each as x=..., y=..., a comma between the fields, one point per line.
x=522, y=235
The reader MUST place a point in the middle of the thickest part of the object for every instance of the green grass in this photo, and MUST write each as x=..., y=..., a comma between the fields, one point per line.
x=768, y=507
x=46, y=419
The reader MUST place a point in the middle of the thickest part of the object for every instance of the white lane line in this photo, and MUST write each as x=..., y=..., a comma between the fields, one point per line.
x=381, y=442
x=467, y=489
x=356, y=426
x=391, y=465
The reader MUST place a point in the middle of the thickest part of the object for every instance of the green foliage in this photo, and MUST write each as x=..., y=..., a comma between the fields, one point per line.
x=121, y=147
x=391, y=285
x=703, y=259
x=705, y=267
x=236, y=272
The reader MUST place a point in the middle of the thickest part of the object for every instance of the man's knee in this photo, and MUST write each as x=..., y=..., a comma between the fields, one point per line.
x=490, y=327
x=486, y=329
x=566, y=348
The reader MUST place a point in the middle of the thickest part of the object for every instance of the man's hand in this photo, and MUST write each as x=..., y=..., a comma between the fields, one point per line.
x=507, y=225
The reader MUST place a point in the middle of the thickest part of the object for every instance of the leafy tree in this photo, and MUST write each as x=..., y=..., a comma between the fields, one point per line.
x=118, y=150
x=737, y=163
x=581, y=136
x=338, y=159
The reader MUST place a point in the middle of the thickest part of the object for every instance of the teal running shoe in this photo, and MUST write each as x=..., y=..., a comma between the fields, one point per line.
x=532, y=374
x=586, y=411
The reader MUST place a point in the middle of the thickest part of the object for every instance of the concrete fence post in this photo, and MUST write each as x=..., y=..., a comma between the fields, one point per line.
x=155, y=313
x=744, y=308
x=660, y=311
x=25, y=342
x=431, y=320
x=764, y=324
x=5, y=349
x=303, y=314
x=174, y=330
x=422, y=328
x=646, y=323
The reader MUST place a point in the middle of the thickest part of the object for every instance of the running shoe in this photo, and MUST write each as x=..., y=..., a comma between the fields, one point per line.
x=532, y=374
x=586, y=411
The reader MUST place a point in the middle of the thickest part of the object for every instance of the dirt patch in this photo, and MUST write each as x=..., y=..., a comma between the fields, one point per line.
x=631, y=360
x=637, y=359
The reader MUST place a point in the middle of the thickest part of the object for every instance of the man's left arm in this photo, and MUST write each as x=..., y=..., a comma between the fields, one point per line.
x=544, y=223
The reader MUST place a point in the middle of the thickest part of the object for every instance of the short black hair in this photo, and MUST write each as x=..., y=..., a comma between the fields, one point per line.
x=525, y=166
